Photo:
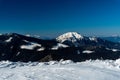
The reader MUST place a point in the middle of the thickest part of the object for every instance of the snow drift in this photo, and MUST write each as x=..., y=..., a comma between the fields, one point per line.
x=63, y=70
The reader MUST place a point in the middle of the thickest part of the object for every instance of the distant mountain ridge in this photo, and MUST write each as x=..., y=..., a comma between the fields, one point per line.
x=77, y=40
x=112, y=38
x=71, y=45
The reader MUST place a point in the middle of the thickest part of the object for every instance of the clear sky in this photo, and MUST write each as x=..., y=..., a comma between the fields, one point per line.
x=54, y=17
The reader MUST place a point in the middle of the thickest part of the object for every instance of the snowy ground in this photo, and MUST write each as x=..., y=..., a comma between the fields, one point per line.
x=64, y=70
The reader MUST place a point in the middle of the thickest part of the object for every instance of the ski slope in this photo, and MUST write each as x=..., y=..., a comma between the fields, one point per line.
x=63, y=70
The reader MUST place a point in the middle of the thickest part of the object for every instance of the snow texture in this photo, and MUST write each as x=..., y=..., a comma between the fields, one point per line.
x=30, y=46
x=41, y=49
x=63, y=70
x=93, y=39
x=72, y=36
x=114, y=50
x=28, y=35
x=88, y=51
x=59, y=45
x=9, y=40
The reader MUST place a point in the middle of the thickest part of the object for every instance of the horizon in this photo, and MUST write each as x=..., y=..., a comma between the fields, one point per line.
x=52, y=18
x=52, y=37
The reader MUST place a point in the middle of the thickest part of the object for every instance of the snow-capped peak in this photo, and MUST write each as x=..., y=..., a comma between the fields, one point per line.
x=72, y=36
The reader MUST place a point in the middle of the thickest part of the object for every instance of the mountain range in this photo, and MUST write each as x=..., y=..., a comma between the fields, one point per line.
x=68, y=46
x=112, y=38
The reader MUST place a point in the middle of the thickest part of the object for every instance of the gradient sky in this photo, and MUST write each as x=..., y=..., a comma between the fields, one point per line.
x=54, y=17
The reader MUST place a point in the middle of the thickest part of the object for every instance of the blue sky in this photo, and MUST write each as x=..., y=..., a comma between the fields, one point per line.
x=54, y=17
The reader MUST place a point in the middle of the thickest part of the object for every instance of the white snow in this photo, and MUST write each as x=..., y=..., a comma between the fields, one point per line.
x=8, y=39
x=26, y=41
x=30, y=46
x=59, y=45
x=93, y=39
x=72, y=36
x=63, y=70
x=41, y=49
x=28, y=35
x=88, y=51
x=114, y=50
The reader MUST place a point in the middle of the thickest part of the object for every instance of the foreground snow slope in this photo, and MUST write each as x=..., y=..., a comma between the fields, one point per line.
x=64, y=70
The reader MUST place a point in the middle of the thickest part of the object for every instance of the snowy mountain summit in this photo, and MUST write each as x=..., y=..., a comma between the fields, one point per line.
x=75, y=39
x=71, y=36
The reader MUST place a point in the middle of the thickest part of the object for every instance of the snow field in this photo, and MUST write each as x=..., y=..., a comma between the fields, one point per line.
x=63, y=70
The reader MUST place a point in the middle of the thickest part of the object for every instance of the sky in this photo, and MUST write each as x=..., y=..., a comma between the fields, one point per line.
x=54, y=17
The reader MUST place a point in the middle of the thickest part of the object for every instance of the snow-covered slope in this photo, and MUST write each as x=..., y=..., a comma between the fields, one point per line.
x=59, y=45
x=31, y=46
x=76, y=39
x=63, y=70
x=71, y=36
x=88, y=51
